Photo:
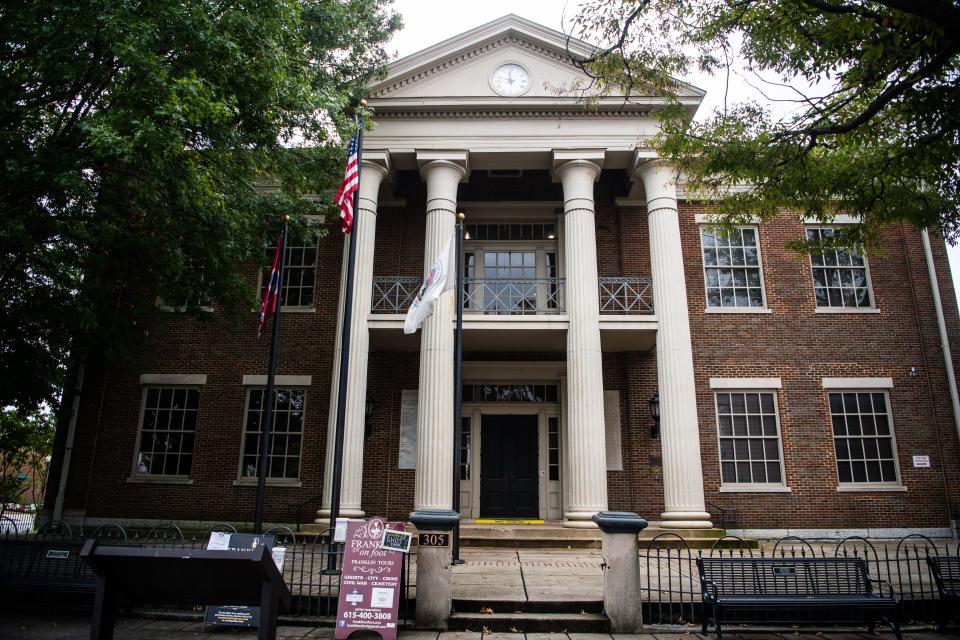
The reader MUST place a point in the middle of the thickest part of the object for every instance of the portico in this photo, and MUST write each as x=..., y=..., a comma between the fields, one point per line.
x=526, y=170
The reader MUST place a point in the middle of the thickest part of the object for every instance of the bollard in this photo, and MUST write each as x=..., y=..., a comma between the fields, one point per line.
x=434, y=569
x=621, y=569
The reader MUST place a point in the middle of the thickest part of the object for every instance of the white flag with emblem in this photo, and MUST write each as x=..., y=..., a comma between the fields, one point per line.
x=440, y=278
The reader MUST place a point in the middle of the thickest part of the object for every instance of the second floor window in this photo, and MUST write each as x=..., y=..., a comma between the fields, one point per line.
x=299, y=273
x=731, y=268
x=840, y=277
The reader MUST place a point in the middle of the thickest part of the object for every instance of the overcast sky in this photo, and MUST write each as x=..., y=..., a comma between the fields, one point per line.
x=427, y=22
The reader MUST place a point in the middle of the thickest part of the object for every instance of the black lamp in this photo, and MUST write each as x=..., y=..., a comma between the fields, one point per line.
x=655, y=414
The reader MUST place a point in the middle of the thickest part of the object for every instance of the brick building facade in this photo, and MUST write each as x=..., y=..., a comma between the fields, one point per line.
x=801, y=412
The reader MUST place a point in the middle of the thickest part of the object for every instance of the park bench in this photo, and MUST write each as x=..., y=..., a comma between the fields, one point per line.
x=43, y=565
x=946, y=573
x=792, y=590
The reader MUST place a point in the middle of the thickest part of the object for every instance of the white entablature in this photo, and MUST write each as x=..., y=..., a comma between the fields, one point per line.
x=443, y=98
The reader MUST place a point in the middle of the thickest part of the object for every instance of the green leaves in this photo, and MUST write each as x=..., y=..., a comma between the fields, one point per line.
x=134, y=135
x=878, y=137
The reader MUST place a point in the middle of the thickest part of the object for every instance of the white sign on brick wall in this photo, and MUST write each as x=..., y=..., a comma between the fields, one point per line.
x=921, y=462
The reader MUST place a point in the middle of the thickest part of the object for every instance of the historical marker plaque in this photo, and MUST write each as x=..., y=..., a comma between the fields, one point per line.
x=370, y=584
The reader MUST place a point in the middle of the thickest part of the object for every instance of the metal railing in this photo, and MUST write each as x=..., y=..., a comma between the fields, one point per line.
x=626, y=295
x=393, y=294
x=306, y=566
x=728, y=515
x=522, y=296
x=670, y=583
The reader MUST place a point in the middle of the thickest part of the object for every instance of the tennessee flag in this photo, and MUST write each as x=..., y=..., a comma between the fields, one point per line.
x=269, y=305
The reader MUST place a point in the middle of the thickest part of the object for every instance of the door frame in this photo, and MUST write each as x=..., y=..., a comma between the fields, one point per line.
x=476, y=411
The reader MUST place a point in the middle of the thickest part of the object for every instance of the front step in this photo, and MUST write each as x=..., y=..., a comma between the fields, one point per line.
x=557, y=537
x=530, y=622
x=467, y=606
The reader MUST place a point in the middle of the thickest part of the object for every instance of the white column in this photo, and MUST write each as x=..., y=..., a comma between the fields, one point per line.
x=434, y=477
x=374, y=168
x=679, y=429
x=585, y=446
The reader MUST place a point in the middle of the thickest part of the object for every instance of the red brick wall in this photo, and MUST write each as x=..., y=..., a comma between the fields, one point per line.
x=792, y=343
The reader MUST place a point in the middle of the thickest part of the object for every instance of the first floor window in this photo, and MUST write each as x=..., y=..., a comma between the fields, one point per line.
x=167, y=431
x=863, y=438
x=749, y=438
x=286, y=437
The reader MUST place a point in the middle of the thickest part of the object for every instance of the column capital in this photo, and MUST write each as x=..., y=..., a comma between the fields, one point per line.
x=379, y=162
x=584, y=159
x=454, y=159
x=659, y=179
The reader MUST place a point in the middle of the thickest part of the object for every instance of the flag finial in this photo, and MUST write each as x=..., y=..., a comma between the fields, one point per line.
x=461, y=216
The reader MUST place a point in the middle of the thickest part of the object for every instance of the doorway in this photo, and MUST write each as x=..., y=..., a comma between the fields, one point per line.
x=509, y=467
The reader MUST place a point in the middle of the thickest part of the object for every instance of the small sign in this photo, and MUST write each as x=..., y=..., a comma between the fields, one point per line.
x=340, y=532
x=396, y=540
x=370, y=581
x=235, y=615
x=921, y=462
x=58, y=554
x=784, y=572
x=433, y=539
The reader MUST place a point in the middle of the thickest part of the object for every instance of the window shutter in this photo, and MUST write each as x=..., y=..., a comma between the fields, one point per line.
x=611, y=420
x=408, y=429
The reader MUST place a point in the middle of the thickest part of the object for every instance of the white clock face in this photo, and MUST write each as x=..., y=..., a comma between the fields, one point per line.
x=510, y=80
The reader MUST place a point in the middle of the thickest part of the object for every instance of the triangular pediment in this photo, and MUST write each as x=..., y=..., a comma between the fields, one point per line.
x=461, y=68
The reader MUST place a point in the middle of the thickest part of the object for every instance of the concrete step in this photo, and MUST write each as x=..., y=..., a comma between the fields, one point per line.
x=558, y=537
x=530, y=622
x=565, y=605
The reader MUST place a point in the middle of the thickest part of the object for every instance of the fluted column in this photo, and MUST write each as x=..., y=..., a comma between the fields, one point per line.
x=434, y=481
x=374, y=168
x=679, y=430
x=585, y=445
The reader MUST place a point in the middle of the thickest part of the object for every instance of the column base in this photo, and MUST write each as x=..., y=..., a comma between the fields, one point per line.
x=685, y=520
x=323, y=515
x=580, y=519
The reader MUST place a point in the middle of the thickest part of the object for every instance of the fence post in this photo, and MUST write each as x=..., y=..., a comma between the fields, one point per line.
x=621, y=569
x=434, y=568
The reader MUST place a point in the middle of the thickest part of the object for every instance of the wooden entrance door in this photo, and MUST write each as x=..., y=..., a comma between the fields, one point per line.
x=509, y=478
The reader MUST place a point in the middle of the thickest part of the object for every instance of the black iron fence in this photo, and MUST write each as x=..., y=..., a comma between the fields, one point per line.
x=49, y=559
x=670, y=589
x=670, y=585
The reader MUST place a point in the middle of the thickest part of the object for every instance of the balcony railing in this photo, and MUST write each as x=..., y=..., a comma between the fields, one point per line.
x=513, y=297
x=524, y=296
x=394, y=294
x=626, y=295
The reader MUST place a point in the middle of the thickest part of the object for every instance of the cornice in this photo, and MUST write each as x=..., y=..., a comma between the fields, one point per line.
x=508, y=113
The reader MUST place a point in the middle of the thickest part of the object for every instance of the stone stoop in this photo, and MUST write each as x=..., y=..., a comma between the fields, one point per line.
x=567, y=616
x=554, y=536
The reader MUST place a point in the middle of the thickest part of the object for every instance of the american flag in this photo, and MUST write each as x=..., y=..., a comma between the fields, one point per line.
x=269, y=305
x=350, y=184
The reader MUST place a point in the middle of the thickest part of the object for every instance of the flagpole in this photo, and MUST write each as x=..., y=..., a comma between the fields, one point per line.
x=458, y=389
x=266, y=418
x=337, y=475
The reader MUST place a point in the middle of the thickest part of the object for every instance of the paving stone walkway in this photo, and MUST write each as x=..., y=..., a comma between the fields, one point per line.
x=38, y=626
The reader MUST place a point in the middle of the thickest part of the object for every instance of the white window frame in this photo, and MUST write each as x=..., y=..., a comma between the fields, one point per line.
x=750, y=385
x=863, y=385
x=312, y=308
x=206, y=308
x=703, y=223
x=164, y=381
x=539, y=247
x=873, y=308
x=255, y=383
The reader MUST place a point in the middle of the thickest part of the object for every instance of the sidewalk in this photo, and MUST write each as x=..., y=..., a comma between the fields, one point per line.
x=40, y=626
